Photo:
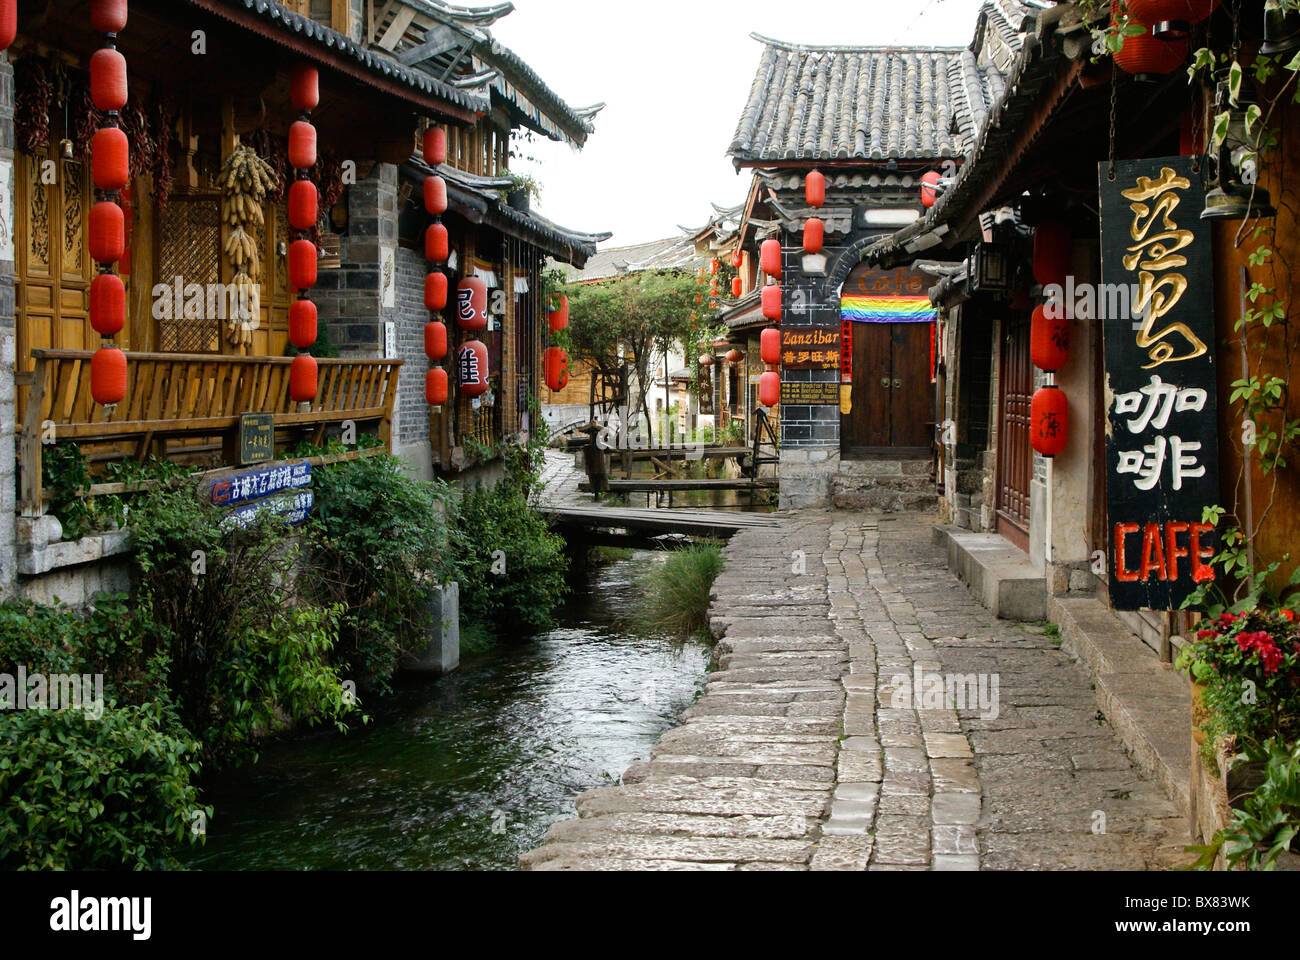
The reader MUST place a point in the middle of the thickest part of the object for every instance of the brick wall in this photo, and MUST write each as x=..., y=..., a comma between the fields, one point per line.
x=412, y=414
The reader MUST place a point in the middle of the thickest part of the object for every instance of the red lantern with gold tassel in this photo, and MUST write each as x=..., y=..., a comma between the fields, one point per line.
x=1049, y=341
x=1052, y=248
x=435, y=291
x=772, y=301
x=435, y=387
x=472, y=365
x=556, y=366
x=471, y=304
x=769, y=389
x=108, y=376
x=770, y=343
x=814, y=188
x=435, y=340
x=769, y=257
x=1049, y=421
x=814, y=235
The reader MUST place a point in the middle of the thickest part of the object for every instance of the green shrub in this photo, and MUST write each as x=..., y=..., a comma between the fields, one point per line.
x=378, y=548
x=511, y=567
x=676, y=601
x=78, y=793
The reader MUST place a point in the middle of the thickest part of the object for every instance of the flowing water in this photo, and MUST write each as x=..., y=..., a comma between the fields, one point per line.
x=467, y=771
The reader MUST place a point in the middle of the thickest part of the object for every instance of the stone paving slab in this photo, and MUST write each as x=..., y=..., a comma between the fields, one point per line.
x=834, y=732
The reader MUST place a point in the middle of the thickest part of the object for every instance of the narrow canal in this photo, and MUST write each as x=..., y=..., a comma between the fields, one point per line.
x=467, y=771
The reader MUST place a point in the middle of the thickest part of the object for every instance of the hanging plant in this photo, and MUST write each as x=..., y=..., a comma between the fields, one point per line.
x=246, y=180
x=274, y=151
x=164, y=123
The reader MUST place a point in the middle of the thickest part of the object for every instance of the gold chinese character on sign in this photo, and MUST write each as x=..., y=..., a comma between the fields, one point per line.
x=1158, y=252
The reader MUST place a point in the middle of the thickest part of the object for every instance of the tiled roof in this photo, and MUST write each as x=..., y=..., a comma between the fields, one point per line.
x=842, y=103
x=330, y=40
x=675, y=253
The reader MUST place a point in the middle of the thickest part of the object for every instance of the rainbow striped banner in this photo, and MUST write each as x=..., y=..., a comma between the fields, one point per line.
x=888, y=310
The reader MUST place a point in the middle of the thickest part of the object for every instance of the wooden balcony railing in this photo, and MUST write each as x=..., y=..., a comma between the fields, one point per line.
x=188, y=395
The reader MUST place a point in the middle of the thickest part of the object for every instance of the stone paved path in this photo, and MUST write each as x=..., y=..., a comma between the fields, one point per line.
x=820, y=743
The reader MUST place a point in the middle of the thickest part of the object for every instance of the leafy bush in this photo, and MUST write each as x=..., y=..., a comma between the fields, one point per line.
x=676, y=601
x=245, y=653
x=1267, y=822
x=78, y=793
x=511, y=567
x=378, y=548
x=66, y=477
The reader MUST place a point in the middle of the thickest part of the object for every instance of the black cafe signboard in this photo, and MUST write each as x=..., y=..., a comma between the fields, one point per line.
x=1162, y=457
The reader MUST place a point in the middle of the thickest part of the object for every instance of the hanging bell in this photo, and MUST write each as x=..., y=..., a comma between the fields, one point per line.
x=66, y=149
x=1236, y=194
x=1281, y=29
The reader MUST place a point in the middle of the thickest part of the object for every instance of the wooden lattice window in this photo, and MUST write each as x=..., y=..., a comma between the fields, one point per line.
x=189, y=247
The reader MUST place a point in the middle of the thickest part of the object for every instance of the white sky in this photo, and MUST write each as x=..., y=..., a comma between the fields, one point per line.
x=676, y=75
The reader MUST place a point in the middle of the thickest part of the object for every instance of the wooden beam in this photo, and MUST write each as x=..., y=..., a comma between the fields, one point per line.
x=341, y=17
x=436, y=42
x=393, y=35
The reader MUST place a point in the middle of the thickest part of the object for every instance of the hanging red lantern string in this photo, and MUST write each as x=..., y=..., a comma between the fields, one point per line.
x=814, y=188
x=1052, y=252
x=1049, y=340
x=770, y=342
x=769, y=257
x=437, y=250
x=1049, y=421
x=304, y=212
x=814, y=235
x=556, y=366
x=110, y=162
x=771, y=300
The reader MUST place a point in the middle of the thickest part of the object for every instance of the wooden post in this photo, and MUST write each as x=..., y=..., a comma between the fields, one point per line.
x=32, y=492
x=341, y=17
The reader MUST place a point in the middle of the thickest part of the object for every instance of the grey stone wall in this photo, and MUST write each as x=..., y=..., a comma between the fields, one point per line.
x=8, y=409
x=805, y=304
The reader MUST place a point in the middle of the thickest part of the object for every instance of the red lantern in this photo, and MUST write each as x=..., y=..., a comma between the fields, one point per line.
x=930, y=189
x=737, y=287
x=558, y=318
x=302, y=265
x=435, y=341
x=737, y=258
x=436, y=245
x=108, y=376
x=556, y=365
x=1052, y=250
x=772, y=301
x=106, y=16
x=304, y=207
x=108, y=79
x=713, y=267
x=1049, y=341
x=435, y=387
x=769, y=258
x=1145, y=55
x=814, y=235
x=107, y=232
x=473, y=366
x=110, y=158
x=771, y=345
x=435, y=291
x=302, y=145
x=471, y=304
x=8, y=23
x=435, y=146
x=107, y=304
x=304, y=88
x=1170, y=19
x=435, y=195
x=1049, y=421
x=769, y=389
x=303, y=379
x=706, y=360
x=814, y=189
x=302, y=324
x=734, y=356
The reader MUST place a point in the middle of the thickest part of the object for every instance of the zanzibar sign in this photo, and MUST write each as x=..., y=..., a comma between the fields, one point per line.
x=810, y=348
x=1162, y=454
